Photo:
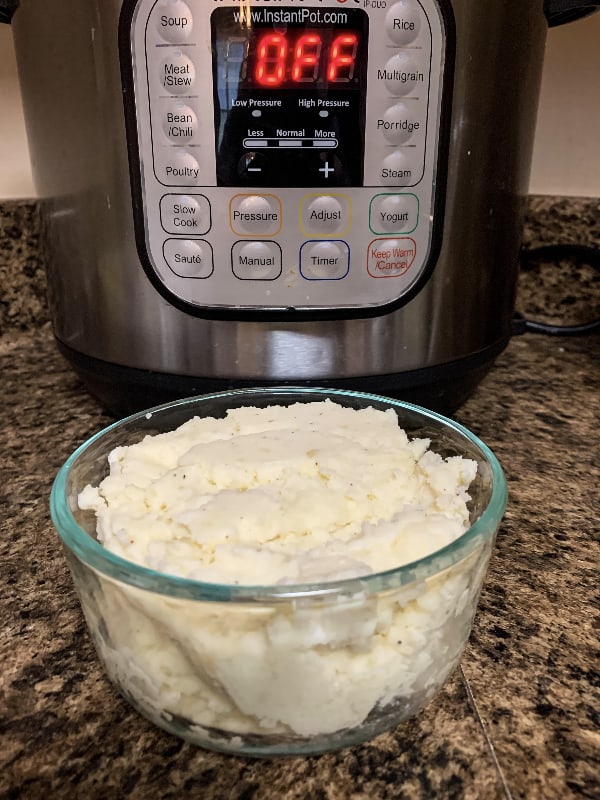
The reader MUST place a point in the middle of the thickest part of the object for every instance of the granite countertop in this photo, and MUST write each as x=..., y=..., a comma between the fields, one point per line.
x=518, y=719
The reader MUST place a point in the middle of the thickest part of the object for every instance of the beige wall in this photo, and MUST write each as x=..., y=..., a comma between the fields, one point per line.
x=567, y=149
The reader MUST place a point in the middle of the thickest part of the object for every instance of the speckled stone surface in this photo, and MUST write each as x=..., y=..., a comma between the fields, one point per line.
x=519, y=719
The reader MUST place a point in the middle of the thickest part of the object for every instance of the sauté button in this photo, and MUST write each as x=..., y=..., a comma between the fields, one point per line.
x=189, y=258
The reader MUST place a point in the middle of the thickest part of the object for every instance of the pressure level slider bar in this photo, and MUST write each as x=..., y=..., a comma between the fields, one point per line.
x=322, y=144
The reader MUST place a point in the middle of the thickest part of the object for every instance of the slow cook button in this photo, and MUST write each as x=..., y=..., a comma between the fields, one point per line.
x=189, y=258
x=185, y=213
x=256, y=261
x=324, y=260
x=174, y=20
x=177, y=73
x=390, y=258
x=403, y=22
x=251, y=214
x=178, y=168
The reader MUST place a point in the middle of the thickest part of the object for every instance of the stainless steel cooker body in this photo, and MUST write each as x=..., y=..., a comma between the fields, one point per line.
x=133, y=344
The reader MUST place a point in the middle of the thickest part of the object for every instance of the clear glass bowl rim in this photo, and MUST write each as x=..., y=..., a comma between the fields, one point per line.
x=94, y=555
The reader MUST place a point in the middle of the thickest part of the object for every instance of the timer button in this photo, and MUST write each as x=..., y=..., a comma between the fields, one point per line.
x=403, y=22
x=325, y=214
x=174, y=20
x=401, y=74
x=189, y=258
x=177, y=73
x=399, y=123
x=250, y=214
x=324, y=261
x=179, y=122
x=256, y=261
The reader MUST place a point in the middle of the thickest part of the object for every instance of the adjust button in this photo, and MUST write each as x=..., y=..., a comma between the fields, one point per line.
x=325, y=214
x=174, y=20
x=189, y=258
x=324, y=260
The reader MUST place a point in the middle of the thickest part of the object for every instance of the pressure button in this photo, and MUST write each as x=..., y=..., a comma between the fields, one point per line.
x=251, y=214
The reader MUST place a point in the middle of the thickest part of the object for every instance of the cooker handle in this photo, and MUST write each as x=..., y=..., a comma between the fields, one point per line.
x=7, y=9
x=560, y=11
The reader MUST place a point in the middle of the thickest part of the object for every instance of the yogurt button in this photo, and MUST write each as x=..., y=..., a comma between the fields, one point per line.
x=173, y=20
x=177, y=73
x=403, y=22
x=189, y=258
x=394, y=213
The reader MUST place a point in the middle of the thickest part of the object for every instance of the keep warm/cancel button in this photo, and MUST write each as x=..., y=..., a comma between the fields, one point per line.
x=390, y=258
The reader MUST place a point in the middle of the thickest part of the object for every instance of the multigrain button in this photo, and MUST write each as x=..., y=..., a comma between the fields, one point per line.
x=189, y=258
x=256, y=261
x=402, y=74
x=179, y=168
x=179, y=122
x=403, y=22
x=174, y=20
x=251, y=214
x=177, y=73
x=324, y=260
x=185, y=213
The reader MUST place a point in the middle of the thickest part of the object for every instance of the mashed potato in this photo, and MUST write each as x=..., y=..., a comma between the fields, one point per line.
x=282, y=495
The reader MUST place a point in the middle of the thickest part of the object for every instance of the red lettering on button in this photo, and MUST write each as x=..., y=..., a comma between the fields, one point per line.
x=390, y=258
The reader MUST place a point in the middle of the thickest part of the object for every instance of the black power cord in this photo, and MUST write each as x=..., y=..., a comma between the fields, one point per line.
x=578, y=252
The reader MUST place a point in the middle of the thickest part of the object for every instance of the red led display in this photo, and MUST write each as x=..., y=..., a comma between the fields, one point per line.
x=304, y=59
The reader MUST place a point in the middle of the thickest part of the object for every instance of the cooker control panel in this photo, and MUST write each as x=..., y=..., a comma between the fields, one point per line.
x=287, y=155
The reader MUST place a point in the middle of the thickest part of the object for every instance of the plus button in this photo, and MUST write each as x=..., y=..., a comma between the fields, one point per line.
x=326, y=169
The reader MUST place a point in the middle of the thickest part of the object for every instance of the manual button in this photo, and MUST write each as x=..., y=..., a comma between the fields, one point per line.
x=256, y=261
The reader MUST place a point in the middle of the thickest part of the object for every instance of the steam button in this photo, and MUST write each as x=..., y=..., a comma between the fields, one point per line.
x=397, y=169
x=173, y=20
x=403, y=22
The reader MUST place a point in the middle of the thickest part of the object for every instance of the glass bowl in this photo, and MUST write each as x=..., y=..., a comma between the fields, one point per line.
x=279, y=669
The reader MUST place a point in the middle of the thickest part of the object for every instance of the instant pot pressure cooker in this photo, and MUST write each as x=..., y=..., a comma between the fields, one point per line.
x=255, y=192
